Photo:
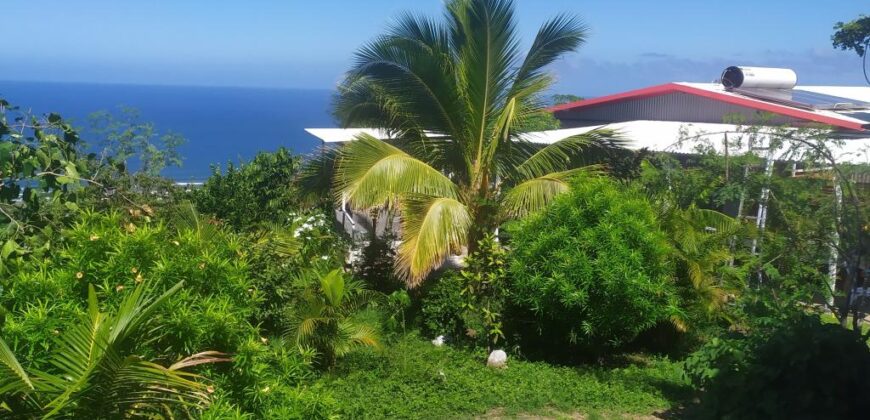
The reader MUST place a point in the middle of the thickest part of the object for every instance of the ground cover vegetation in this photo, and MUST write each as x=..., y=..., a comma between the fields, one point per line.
x=633, y=288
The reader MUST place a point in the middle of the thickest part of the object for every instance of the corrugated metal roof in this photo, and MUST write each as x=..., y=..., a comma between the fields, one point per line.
x=695, y=102
x=857, y=93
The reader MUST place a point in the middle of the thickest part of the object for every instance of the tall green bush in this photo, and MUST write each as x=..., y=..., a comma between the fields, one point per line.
x=467, y=305
x=262, y=190
x=590, y=271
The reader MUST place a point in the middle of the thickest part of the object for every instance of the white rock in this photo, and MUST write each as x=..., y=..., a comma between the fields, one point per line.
x=438, y=341
x=497, y=359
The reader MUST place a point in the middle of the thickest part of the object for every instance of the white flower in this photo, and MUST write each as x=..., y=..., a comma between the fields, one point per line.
x=310, y=219
x=324, y=257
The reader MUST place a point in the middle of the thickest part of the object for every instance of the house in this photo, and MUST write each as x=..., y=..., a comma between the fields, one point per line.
x=676, y=117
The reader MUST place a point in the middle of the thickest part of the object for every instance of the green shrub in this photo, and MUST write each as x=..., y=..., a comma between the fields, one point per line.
x=589, y=272
x=262, y=190
x=114, y=254
x=802, y=369
x=441, y=308
x=467, y=305
x=281, y=252
x=95, y=371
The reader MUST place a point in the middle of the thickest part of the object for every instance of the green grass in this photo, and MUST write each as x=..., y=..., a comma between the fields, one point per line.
x=414, y=379
x=831, y=319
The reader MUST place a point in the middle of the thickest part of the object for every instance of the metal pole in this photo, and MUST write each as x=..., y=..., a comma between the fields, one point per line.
x=835, y=241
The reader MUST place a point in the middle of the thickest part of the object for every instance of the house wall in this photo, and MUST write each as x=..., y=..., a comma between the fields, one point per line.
x=675, y=106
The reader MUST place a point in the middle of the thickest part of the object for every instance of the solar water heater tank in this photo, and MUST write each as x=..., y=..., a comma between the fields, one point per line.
x=758, y=77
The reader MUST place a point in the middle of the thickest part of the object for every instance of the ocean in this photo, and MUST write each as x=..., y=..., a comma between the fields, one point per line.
x=220, y=124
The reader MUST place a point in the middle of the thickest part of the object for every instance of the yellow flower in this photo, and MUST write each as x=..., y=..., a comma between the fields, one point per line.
x=79, y=275
x=138, y=278
x=119, y=288
x=134, y=270
x=94, y=237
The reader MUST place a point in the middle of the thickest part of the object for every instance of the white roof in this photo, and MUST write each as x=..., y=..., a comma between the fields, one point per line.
x=660, y=136
x=341, y=135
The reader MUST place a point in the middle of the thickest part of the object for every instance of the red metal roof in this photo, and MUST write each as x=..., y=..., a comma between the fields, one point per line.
x=669, y=88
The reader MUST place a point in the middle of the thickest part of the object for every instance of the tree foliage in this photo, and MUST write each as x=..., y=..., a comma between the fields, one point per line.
x=260, y=191
x=455, y=94
x=128, y=141
x=591, y=270
x=853, y=35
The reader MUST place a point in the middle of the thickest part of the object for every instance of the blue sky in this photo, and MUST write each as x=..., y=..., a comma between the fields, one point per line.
x=307, y=44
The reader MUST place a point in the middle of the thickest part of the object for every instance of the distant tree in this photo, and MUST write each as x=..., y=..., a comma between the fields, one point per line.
x=542, y=121
x=853, y=35
x=124, y=136
x=564, y=98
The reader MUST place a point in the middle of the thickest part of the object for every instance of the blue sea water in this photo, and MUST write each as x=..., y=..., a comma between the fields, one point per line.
x=220, y=123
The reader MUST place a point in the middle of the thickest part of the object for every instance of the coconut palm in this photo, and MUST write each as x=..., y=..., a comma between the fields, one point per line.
x=96, y=372
x=326, y=317
x=456, y=97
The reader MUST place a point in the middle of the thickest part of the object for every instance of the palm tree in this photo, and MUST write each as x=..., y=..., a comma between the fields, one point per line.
x=456, y=97
x=700, y=246
x=98, y=376
x=326, y=317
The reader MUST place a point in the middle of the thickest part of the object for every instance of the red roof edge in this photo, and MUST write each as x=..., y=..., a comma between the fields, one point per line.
x=668, y=88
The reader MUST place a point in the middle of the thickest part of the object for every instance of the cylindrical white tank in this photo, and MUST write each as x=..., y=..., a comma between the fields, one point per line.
x=758, y=77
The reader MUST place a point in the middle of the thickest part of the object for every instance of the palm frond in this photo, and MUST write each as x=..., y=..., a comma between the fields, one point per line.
x=484, y=35
x=356, y=334
x=97, y=372
x=432, y=228
x=318, y=171
x=186, y=217
x=557, y=157
x=403, y=80
x=13, y=378
x=372, y=173
x=332, y=286
x=534, y=194
x=556, y=37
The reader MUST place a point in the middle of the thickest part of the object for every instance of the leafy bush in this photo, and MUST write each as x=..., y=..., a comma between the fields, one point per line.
x=590, y=271
x=262, y=190
x=802, y=369
x=467, y=305
x=40, y=163
x=95, y=372
x=442, y=307
x=114, y=253
x=280, y=252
